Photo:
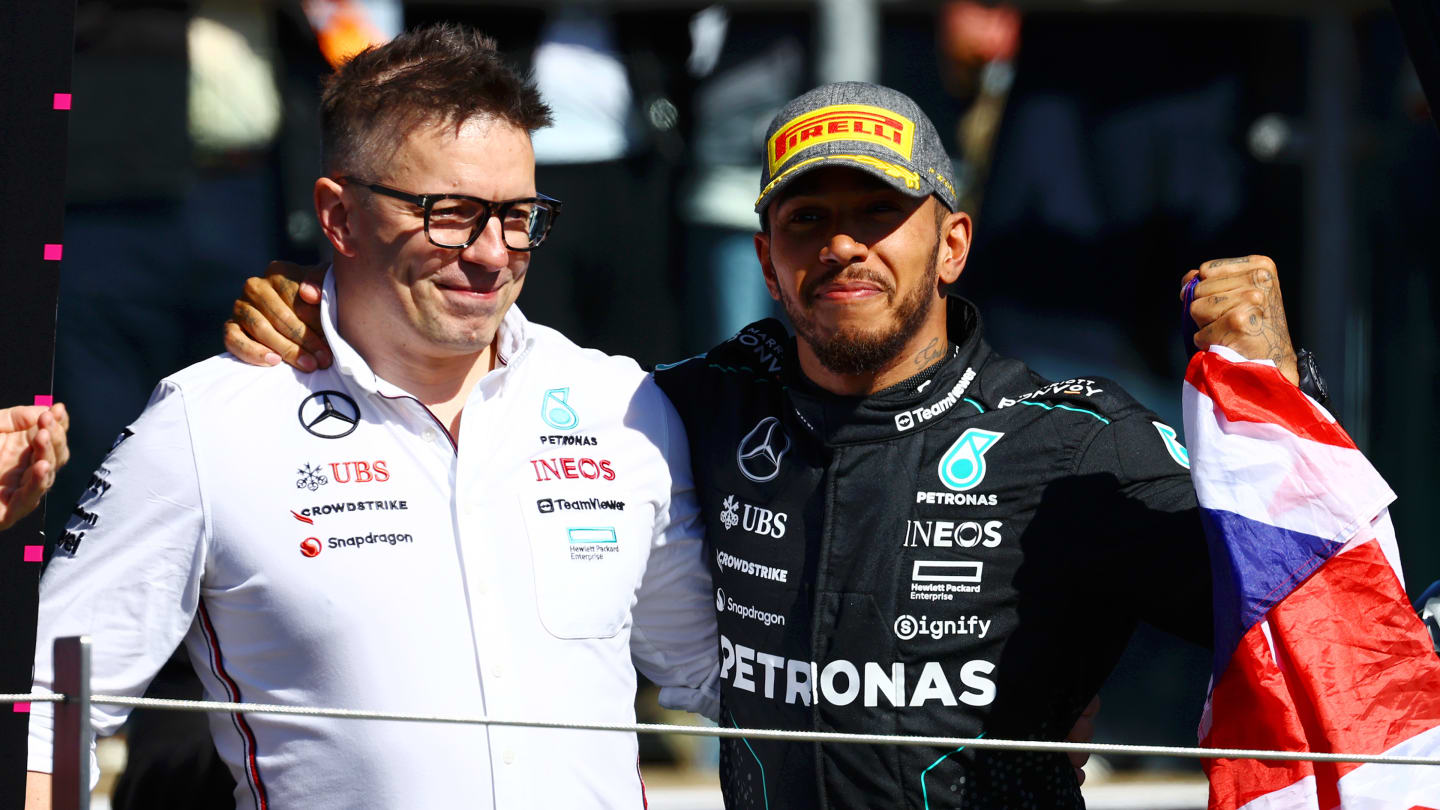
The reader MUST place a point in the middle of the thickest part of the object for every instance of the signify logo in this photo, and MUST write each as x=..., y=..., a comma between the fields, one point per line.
x=908, y=627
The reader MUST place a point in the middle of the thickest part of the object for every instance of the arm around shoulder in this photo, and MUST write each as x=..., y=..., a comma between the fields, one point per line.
x=674, y=641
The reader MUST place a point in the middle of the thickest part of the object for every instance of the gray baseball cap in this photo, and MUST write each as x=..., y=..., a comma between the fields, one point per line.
x=859, y=125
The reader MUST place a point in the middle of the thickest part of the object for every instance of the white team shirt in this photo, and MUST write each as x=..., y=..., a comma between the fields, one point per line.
x=367, y=562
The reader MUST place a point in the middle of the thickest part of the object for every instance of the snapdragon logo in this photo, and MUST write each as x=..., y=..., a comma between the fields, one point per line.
x=724, y=604
x=371, y=539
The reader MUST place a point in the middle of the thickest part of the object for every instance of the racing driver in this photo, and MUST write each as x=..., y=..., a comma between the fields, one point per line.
x=898, y=519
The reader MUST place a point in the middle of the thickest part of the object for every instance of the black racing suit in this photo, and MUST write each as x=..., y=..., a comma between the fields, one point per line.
x=963, y=554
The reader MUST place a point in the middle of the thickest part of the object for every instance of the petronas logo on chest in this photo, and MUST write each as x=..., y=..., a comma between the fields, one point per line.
x=963, y=465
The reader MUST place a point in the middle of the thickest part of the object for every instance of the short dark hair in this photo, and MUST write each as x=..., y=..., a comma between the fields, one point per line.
x=436, y=74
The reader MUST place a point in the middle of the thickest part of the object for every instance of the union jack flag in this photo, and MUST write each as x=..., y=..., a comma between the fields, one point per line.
x=1316, y=647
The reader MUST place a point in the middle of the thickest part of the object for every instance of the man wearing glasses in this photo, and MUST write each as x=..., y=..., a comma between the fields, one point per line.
x=466, y=514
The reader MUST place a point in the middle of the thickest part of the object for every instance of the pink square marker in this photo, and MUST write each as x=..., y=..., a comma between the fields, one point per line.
x=53, y=252
x=34, y=554
x=62, y=101
x=22, y=708
x=44, y=400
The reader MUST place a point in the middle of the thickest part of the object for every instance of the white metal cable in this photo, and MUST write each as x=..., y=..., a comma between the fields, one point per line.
x=752, y=733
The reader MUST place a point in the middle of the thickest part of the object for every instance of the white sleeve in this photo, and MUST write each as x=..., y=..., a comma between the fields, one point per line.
x=674, y=642
x=127, y=572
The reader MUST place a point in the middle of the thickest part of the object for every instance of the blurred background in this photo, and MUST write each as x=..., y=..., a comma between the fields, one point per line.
x=1105, y=147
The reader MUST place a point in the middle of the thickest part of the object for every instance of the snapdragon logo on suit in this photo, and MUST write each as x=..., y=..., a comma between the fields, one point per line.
x=556, y=411
x=963, y=465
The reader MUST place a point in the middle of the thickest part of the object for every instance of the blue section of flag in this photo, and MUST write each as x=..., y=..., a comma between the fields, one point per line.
x=1255, y=565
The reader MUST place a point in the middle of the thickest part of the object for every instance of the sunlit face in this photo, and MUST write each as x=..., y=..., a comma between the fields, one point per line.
x=854, y=263
x=451, y=300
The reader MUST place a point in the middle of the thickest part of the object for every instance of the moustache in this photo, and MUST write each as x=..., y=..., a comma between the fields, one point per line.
x=845, y=275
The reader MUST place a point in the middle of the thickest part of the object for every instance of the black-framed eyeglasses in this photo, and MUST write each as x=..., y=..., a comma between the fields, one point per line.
x=455, y=221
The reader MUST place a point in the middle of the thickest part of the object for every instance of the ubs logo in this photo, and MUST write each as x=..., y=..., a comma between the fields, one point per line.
x=329, y=415
x=762, y=449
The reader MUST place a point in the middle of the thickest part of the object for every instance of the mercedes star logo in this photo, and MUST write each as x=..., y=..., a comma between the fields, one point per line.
x=329, y=415
x=762, y=448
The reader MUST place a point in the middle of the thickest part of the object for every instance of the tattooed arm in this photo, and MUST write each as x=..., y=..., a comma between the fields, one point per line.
x=1237, y=305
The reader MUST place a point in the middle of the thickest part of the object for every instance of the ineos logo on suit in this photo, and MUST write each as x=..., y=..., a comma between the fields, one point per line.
x=762, y=449
x=329, y=415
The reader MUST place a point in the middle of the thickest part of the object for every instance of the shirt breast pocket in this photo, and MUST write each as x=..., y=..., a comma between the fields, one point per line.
x=588, y=561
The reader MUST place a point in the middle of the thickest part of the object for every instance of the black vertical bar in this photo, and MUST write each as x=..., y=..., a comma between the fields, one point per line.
x=1336, y=312
x=70, y=785
x=37, y=43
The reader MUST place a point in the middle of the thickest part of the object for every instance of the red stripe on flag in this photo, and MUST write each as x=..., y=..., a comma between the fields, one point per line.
x=1253, y=392
x=1356, y=674
x=1252, y=708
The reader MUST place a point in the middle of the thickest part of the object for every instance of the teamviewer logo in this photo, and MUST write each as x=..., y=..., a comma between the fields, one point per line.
x=904, y=421
x=545, y=505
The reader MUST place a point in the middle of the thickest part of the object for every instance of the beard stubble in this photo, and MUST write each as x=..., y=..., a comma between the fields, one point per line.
x=865, y=351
